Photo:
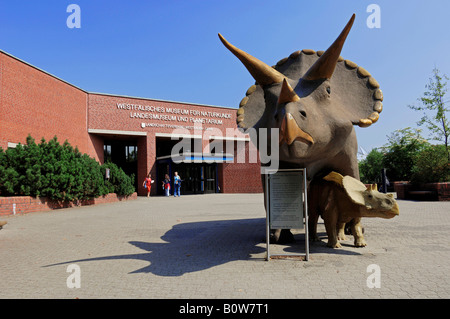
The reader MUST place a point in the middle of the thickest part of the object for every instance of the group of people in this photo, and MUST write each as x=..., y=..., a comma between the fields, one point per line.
x=165, y=184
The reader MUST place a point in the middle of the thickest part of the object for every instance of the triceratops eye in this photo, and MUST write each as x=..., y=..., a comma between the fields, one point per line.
x=329, y=89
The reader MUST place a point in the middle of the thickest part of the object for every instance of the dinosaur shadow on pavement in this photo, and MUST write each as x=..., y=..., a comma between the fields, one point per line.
x=196, y=246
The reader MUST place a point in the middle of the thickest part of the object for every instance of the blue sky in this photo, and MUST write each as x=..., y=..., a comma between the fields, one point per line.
x=169, y=49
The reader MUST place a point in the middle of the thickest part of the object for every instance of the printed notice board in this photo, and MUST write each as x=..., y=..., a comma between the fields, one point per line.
x=286, y=200
x=286, y=205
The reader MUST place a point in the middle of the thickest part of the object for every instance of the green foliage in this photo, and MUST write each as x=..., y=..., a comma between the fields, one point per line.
x=56, y=171
x=401, y=152
x=119, y=182
x=434, y=109
x=431, y=165
x=406, y=157
x=370, y=167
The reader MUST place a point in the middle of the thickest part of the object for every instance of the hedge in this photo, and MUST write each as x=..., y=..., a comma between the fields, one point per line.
x=60, y=172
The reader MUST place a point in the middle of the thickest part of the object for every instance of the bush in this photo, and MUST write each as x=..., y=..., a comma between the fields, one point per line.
x=57, y=171
x=401, y=152
x=370, y=167
x=431, y=165
x=119, y=182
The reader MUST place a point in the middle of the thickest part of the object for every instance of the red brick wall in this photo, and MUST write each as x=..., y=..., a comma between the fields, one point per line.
x=36, y=103
x=146, y=163
x=241, y=176
x=443, y=190
x=26, y=204
x=428, y=191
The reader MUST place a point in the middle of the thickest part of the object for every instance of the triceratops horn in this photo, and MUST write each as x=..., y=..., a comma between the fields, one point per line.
x=261, y=72
x=324, y=67
x=287, y=93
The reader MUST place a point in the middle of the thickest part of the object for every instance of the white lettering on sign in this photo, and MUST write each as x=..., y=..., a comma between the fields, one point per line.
x=169, y=114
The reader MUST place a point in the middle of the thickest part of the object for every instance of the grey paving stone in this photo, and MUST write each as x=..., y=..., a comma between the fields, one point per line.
x=213, y=246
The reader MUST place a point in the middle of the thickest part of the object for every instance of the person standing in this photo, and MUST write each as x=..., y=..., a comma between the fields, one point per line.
x=176, y=185
x=166, y=185
x=148, y=184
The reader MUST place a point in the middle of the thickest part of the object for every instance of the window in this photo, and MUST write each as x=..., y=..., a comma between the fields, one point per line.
x=107, y=152
x=131, y=153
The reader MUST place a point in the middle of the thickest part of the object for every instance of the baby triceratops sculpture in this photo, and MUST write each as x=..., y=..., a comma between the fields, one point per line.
x=339, y=199
x=315, y=99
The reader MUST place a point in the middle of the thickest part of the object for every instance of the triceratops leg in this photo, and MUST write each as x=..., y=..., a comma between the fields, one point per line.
x=313, y=209
x=330, y=218
x=312, y=226
x=357, y=231
x=341, y=231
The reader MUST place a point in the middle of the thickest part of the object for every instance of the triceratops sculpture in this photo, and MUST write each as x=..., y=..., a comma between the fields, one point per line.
x=315, y=99
x=340, y=199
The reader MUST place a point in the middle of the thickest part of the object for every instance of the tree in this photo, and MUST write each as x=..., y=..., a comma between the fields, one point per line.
x=401, y=151
x=431, y=165
x=370, y=167
x=433, y=101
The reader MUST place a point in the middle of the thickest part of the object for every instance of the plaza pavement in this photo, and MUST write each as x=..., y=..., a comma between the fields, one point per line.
x=213, y=246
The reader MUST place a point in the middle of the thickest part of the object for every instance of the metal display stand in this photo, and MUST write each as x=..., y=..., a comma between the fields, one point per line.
x=286, y=205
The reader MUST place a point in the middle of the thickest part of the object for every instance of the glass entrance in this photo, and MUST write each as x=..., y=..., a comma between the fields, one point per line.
x=197, y=178
x=193, y=180
x=211, y=178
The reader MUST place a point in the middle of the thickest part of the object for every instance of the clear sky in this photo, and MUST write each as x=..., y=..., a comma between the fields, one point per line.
x=169, y=49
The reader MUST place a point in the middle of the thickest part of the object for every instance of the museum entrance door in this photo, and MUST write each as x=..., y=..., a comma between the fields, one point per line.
x=198, y=175
x=197, y=178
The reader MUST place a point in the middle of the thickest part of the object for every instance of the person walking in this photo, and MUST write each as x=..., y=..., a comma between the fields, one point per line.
x=148, y=184
x=176, y=185
x=166, y=185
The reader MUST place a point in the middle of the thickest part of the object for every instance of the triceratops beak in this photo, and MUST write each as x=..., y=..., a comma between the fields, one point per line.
x=261, y=72
x=290, y=132
x=325, y=65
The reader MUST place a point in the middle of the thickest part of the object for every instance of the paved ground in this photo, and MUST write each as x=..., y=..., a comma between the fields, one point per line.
x=213, y=246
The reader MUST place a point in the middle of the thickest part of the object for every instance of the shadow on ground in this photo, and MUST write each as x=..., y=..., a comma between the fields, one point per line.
x=191, y=247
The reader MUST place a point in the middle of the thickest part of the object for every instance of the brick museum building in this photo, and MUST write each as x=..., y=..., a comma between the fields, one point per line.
x=140, y=135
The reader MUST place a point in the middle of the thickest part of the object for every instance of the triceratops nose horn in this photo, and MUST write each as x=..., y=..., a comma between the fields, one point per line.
x=325, y=65
x=261, y=72
x=287, y=93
